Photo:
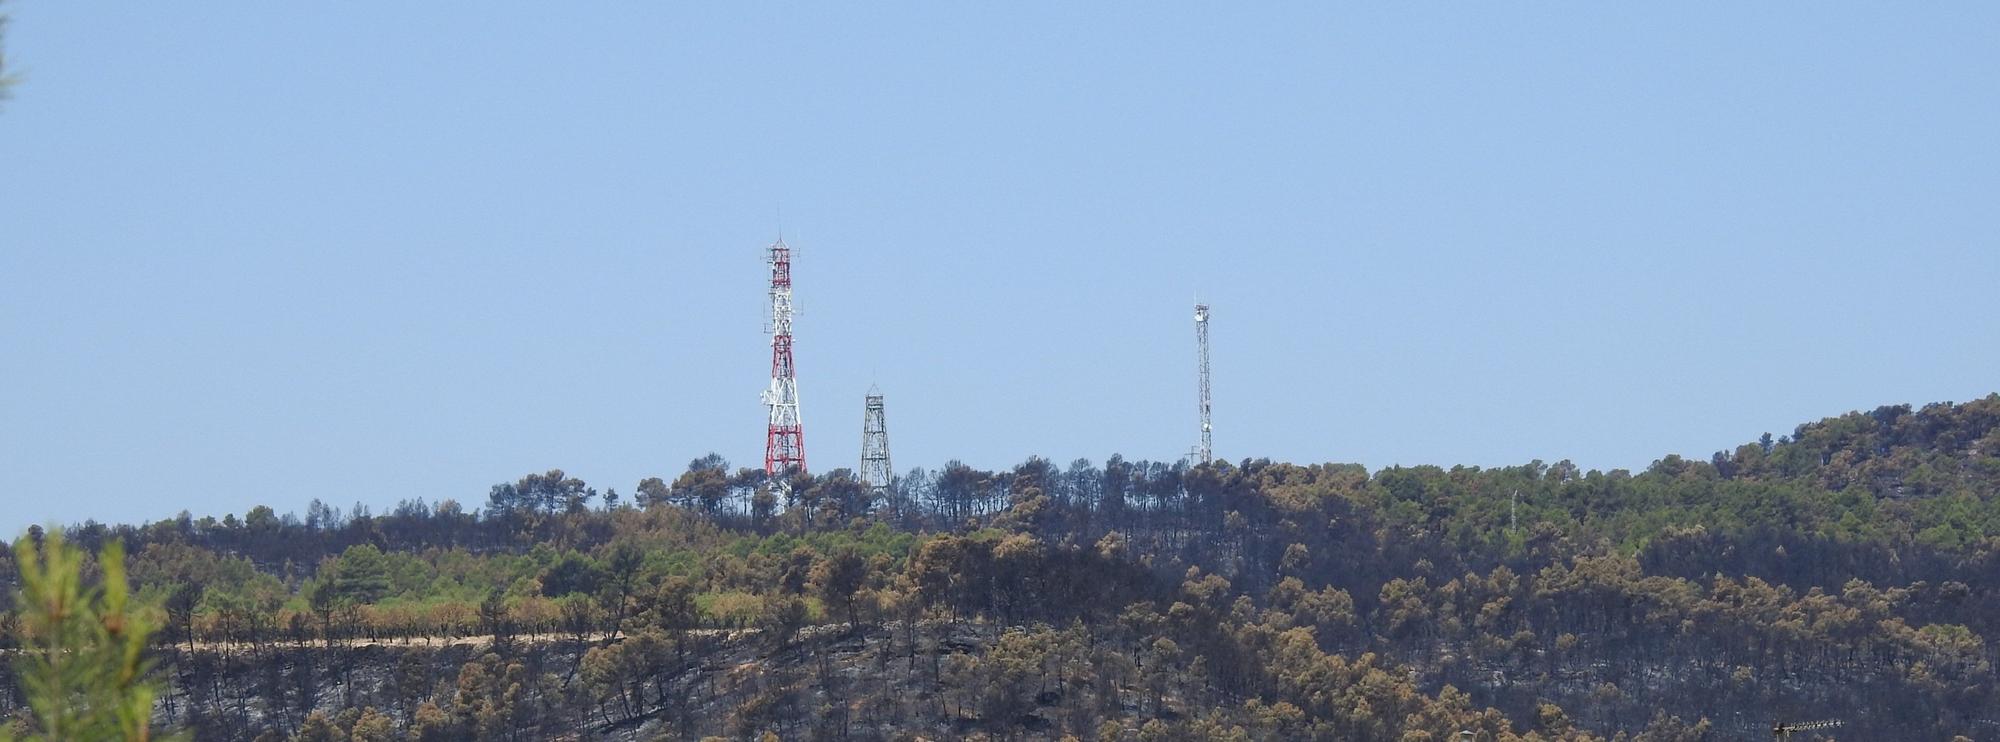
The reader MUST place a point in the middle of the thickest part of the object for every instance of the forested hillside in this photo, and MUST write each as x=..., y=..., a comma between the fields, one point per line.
x=1848, y=571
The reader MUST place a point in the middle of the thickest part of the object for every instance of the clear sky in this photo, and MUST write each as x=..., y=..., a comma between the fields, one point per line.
x=269, y=252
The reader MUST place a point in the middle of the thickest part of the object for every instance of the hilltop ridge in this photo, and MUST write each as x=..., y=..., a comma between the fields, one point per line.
x=1847, y=569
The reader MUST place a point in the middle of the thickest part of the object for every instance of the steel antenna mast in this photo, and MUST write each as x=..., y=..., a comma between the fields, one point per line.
x=875, y=469
x=1784, y=731
x=784, y=438
x=1207, y=452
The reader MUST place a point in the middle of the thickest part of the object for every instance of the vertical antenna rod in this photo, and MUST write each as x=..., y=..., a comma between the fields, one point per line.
x=1201, y=343
x=875, y=469
x=785, y=439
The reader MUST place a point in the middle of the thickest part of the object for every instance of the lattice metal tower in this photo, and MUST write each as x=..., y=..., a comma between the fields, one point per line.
x=1201, y=344
x=1784, y=731
x=875, y=469
x=785, y=439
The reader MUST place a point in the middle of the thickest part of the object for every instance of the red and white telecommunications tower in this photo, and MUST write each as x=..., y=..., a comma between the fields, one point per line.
x=785, y=439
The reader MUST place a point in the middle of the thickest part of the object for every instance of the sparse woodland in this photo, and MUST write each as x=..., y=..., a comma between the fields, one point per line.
x=1849, y=570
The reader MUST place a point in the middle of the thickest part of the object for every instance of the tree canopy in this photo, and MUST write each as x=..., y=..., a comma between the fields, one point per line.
x=1846, y=569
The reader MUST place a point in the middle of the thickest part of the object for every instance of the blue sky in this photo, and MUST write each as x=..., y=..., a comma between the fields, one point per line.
x=265, y=253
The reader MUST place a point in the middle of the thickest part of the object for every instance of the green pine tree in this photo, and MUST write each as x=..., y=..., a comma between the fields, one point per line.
x=83, y=663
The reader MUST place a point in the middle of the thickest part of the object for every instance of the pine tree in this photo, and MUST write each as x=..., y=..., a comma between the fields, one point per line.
x=83, y=664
